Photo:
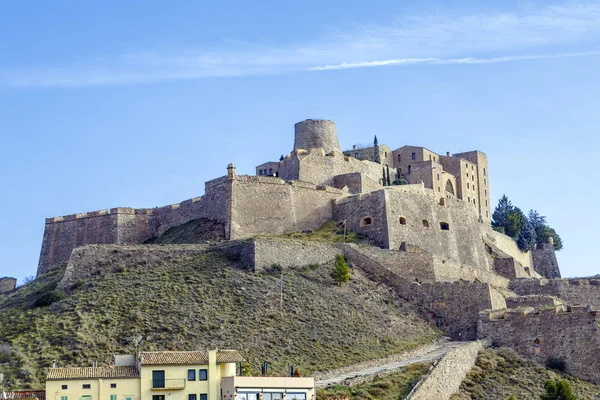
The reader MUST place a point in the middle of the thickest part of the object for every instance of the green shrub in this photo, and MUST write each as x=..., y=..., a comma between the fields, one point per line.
x=340, y=273
x=48, y=298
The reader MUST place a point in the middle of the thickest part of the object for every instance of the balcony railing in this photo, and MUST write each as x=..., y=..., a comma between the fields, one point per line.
x=168, y=384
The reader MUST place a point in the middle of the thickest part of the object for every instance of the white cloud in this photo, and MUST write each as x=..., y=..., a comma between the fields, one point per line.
x=441, y=38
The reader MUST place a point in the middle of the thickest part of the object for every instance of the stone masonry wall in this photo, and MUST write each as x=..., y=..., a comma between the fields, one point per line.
x=7, y=284
x=90, y=260
x=508, y=246
x=544, y=261
x=570, y=291
x=270, y=205
x=446, y=377
x=571, y=335
x=452, y=306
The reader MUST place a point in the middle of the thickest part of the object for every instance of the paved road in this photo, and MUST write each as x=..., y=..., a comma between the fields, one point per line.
x=435, y=354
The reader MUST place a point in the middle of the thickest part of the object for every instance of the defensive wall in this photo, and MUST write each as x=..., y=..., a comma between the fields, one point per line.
x=452, y=306
x=446, y=376
x=533, y=300
x=90, y=260
x=7, y=284
x=544, y=260
x=564, y=334
x=415, y=215
x=570, y=291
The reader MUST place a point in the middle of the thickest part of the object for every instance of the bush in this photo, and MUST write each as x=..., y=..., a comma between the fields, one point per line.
x=340, y=273
x=557, y=390
x=49, y=298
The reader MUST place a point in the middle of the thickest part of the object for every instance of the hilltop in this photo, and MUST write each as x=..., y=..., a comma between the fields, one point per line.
x=205, y=300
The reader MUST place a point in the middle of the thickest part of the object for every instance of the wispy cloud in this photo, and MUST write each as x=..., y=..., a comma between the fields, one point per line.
x=441, y=61
x=432, y=38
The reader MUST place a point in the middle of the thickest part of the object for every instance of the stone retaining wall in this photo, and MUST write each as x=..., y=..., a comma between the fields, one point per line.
x=446, y=377
x=7, y=284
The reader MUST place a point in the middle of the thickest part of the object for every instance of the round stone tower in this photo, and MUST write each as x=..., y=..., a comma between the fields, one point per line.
x=315, y=133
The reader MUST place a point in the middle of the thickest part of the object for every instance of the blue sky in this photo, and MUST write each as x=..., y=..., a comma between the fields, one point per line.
x=137, y=103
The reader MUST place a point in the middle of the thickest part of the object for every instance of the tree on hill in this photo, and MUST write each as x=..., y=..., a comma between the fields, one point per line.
x=527, y=235
x=501, y=213
x=543, y=231
x=340, y=273
x=557, y=390
x=376, y=157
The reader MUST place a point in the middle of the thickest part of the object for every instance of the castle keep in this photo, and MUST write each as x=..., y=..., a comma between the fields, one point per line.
x=427, y=214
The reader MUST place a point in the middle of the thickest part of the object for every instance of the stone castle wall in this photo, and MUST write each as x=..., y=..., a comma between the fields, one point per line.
x=7, y=284
x=544, y=261
x=447, y=375
x=571, y=335
x=570, y=291
x=452, y=306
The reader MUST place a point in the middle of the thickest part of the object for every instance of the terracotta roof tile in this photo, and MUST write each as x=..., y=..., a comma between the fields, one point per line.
x=188, y=357
x=92, y=373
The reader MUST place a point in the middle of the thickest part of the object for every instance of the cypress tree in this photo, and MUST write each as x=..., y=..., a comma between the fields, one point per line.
x=389, y=182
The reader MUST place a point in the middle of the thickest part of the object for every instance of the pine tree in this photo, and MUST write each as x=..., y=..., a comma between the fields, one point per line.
x=340, y=273
x=384, y=179
x=376, y=157
x=389, y=182
x=501, y=213
x=527, y=235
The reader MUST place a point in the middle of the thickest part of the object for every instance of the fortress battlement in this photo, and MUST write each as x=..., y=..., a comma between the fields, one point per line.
x=528, y=311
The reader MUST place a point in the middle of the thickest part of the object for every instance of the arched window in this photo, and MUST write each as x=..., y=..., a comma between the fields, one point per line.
x=366, y=221
x=444, y=226
x=260, y=172
x=425, y=223
x=414, y=156
x=270, y=171
x=402, y=221
x=409, y=168
x=449, y=187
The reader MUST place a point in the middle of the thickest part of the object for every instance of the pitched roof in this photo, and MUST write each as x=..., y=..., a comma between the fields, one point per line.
x=188, y=357
x=92, y=373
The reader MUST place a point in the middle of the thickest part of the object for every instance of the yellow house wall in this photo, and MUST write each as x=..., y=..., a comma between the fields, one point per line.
x=99, y=389
x=211, y=387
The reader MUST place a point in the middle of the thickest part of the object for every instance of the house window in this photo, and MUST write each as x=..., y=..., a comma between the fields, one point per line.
x=113, y=385
x=414, y=156
x=295, y=396
x=113, y=397
x=260, y=172
x=86, y=386
x=366, y=221
x=203, y=396
x=425, y=223
x=64, y=397
x=191, y=374
x=158, y=379
x=158, y=397
x=399, y=158
x=192, y=396
x=409, y=168
x=64, y=387
x=430, y=158
x=355, y=155
x=444, y=226
x=203, y=375
x=270, y=171
x=402, y=221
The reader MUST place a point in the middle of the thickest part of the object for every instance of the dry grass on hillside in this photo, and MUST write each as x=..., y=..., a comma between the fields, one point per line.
x=500, y=373
x=207, y=301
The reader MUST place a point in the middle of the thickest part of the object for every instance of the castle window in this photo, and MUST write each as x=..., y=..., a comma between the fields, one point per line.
x=385, y=154
x=260, y=172
x=467, y=185
x=473, y=178
x=414, y=156
x=468, y=199
x=444, y=226
x=472, y=167
x=430, y=158
x=438, y=175
x=449, y=187
x=485, y=192
x=409, y=168
x=486, y=203
x=425, y=223
x=355, y=155
x=474, y=203
x=366, y=221
x=484, y=182
x=467, y=174
x=402, y=221
x=484, y=172
x=439, y=189
x=467, y=165
x=399, y=158
x=270, y=171
x=487, y=214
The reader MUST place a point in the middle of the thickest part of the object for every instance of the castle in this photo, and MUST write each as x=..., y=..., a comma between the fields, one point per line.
x=429, y=216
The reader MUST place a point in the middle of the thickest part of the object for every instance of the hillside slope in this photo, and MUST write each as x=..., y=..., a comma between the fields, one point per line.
x=205, y=301
x=500, y=373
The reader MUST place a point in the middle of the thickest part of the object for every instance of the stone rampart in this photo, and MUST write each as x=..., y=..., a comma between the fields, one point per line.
x=452, y=306
x=445, y=378
x=508, y=246
x=570, y=291
x=544, y=260
x=558, y=334
x=90, y=260
x=533, y=300
x=7, y=284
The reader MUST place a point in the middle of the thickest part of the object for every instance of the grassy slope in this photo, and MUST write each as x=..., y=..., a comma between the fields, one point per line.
x=389, y=387
x=500, y=373
x=194, y=303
